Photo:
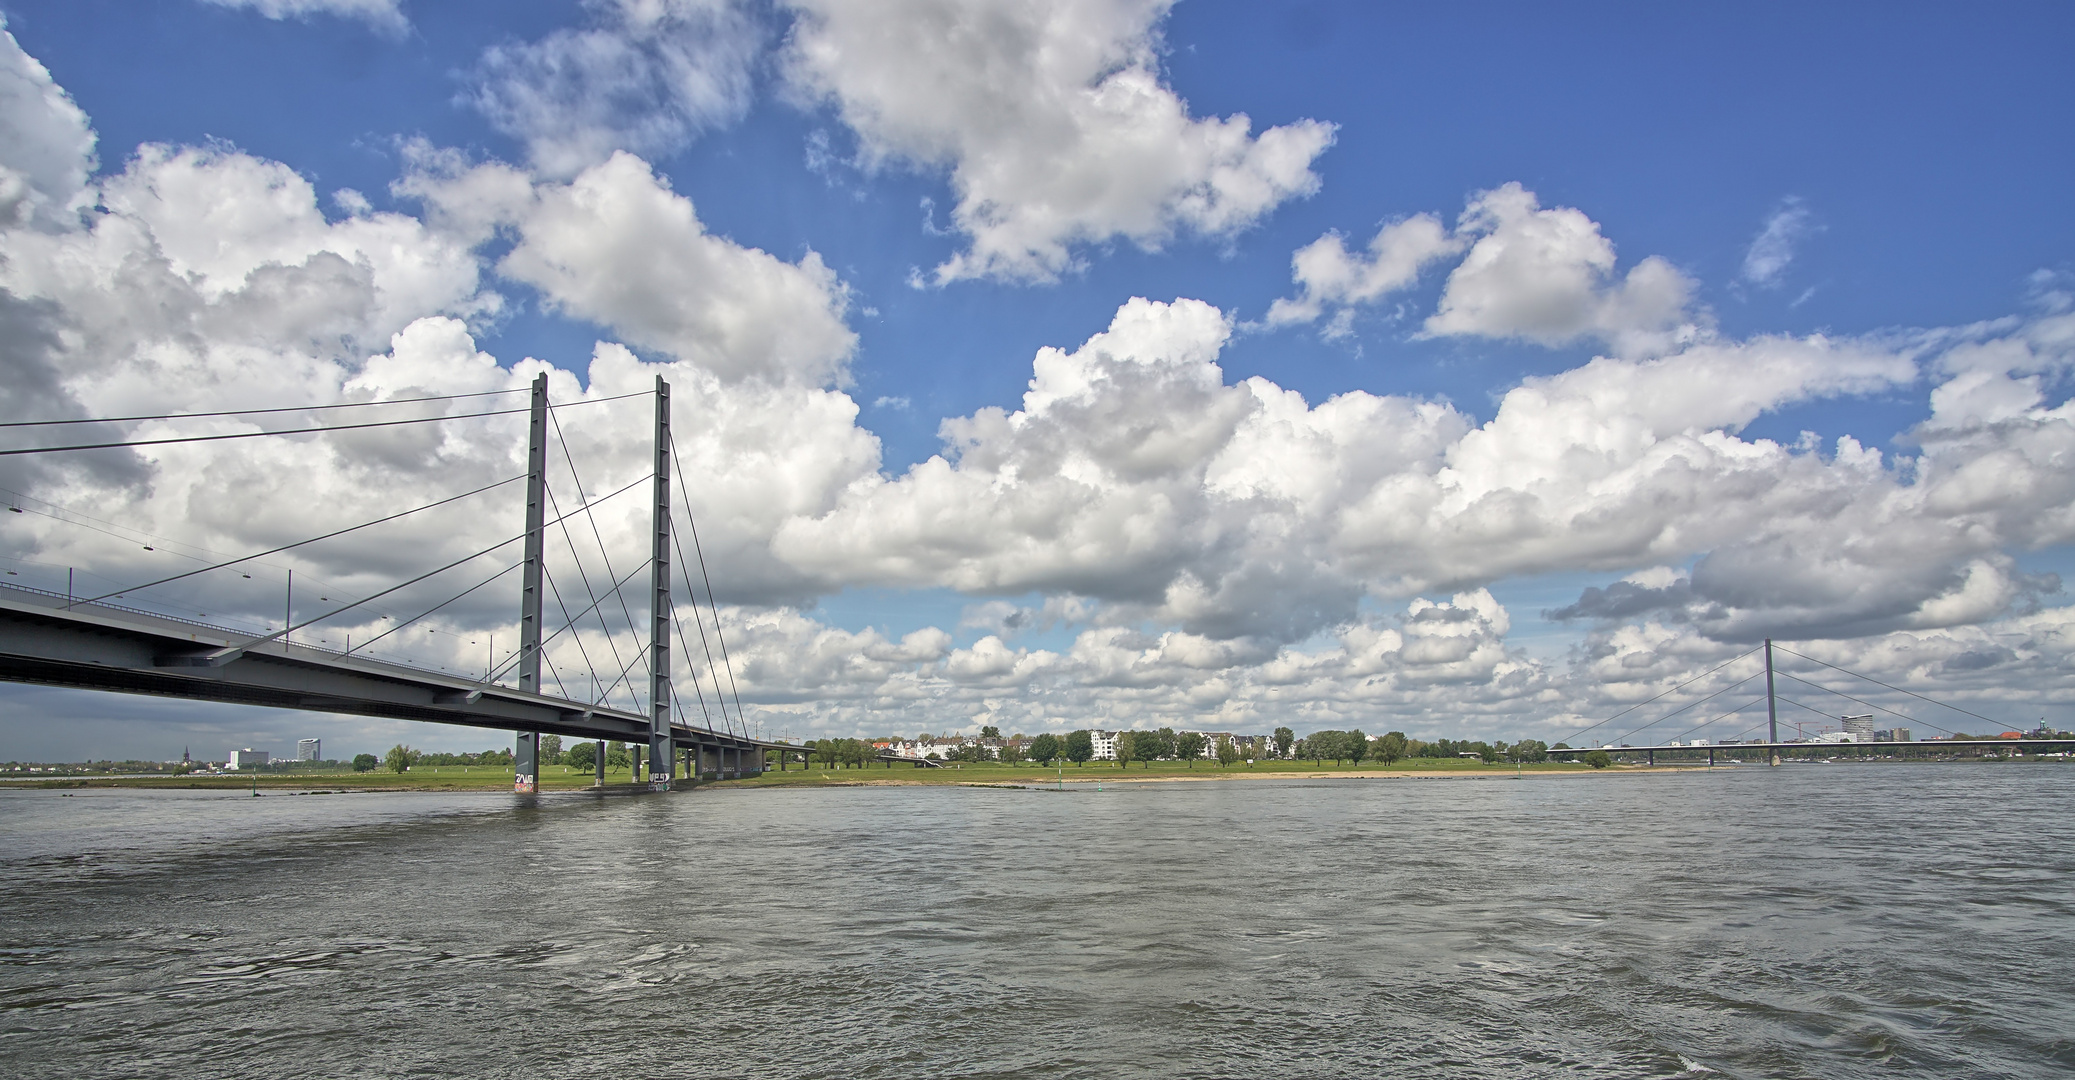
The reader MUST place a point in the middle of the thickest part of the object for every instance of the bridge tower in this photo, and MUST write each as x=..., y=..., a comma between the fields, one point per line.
x=526, y=757
x=662, y=754
x=1772, y=707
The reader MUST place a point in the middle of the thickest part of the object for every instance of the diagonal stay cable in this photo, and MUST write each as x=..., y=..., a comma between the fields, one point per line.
x=429, y=611
x=233, y=652
x=611, y=640
x=1632, y=733
x=572, y=628
x=678, y=468
x=603, y=554
x=684, y=567
x=1869, y=704
x=554, y=405
x=300, y=543
x=677, y=701
x=284, y=431
x=1718, y=716
x=581, y=650
x=556, y=674
x=513, y=659
x=632, y=695
x=1673, y=690
x=1896, y=689
x=678, y=625
x=253, y=434
x=259, y=412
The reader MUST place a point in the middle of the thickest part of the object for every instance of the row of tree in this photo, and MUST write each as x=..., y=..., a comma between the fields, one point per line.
x=1167, y=744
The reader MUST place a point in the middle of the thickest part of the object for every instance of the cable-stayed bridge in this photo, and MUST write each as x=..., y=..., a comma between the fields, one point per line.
x=1727, y=739
x=109, y=640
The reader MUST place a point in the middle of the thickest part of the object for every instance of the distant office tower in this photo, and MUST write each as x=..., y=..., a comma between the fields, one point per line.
x=309, y=749
x=1901, y=734
x=248, y=758
x=1860, y=728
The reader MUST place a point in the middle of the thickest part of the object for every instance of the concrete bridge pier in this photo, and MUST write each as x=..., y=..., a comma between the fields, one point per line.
x=598, y=763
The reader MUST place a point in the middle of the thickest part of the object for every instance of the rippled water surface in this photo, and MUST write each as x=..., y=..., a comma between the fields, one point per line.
x=1807, y=921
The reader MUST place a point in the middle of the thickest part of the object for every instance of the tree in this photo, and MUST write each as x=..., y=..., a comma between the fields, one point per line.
x=1357, y=747
x=990, y=732
x=1391, y=747
x=1530, y=751
x=551, y=749
x=1320, y=745
x=1011, y=753
x=1188, y=746
x=1080, y=746
x=1156, y=745
x=1598, y=759
x=399, y=758
x=1127, y=749
x=365, y=762
x=1044, y=748
x=583, y=755
x=1228, y=754
x=617, y=756
x=1283, y=738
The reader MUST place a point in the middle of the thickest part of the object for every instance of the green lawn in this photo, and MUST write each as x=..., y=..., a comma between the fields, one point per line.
x=419, y=778
x=1094, y=772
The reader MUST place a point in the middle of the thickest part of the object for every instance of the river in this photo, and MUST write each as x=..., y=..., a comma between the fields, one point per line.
x=1806, y=921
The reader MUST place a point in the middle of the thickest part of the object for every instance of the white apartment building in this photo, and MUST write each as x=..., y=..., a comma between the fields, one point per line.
x=249, y=758
x=1105, y=744
x=309, y=749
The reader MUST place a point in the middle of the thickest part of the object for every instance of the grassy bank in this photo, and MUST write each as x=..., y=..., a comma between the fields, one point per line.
x=1108, y=772
x=419, y=778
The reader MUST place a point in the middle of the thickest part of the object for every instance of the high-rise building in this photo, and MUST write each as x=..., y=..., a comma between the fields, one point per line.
x=1901, y=734
x=249, y=758
x=309, y=749
x=1860, y=728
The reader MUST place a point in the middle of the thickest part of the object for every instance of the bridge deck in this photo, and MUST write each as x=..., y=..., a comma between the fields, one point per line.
x=1916, y=744
x=47, y=639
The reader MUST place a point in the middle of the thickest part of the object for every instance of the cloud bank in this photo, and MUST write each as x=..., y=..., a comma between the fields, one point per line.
x=1203, y=552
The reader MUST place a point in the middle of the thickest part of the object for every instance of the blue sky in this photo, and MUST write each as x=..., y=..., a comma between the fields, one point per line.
x=1886, y=182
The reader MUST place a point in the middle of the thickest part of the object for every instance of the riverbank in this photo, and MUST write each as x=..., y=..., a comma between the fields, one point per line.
x=560, y=778
x=420, y=778
x=555, y=779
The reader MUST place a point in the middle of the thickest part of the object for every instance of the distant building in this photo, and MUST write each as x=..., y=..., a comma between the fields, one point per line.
x=1105, y=743
x=1901, y=734
x=309, y=749
x=1860, y=728
x=249, y=758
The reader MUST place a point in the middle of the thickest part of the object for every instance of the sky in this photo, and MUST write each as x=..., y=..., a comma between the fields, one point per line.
x=1478, y=370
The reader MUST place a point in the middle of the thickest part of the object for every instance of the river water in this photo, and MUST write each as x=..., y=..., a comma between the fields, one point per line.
x=1807, y=921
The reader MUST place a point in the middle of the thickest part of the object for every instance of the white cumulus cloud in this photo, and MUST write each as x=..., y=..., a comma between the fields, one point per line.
x=46, y=144
x=646, y=76
x=1331, y=277
x=1547, y=276
x=1052, y=119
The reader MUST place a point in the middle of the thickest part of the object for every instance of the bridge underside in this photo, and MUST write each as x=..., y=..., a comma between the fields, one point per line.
x=47, y=640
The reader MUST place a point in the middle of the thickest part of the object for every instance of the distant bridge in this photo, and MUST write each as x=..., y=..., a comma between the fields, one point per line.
x=56, y=639
x=1771, y=698
x=1768, y=748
